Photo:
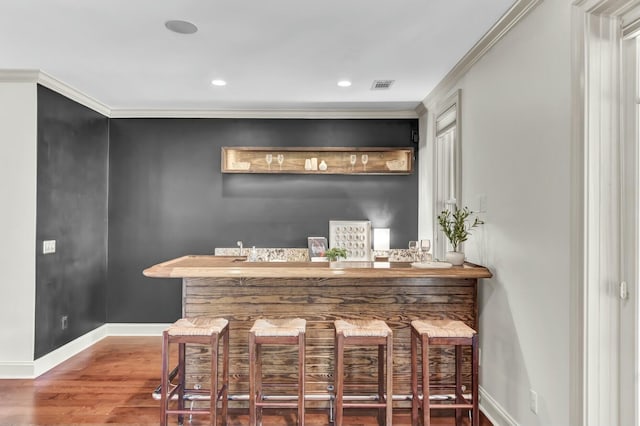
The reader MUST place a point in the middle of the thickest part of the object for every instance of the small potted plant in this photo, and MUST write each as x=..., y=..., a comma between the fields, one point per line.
x=335, y=253
x=457, y=227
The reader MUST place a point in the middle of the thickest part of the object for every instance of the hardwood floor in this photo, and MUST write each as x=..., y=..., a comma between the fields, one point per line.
x=112, y=383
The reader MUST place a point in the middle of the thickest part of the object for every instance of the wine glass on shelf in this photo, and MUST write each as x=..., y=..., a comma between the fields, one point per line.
x=413, y=248
x=280, y=159
x=365, y=160
x=269, y=159
x=352, y=160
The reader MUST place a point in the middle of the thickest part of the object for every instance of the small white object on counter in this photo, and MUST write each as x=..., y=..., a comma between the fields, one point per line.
x=432, y=265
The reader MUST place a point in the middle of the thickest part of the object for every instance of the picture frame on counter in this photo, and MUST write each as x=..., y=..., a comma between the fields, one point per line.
x=317, y=247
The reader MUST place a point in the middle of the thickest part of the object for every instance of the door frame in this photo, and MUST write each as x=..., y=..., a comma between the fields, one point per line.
x=630, y=164
x=598, y=223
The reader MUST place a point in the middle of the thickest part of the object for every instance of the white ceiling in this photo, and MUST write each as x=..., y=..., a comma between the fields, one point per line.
x=274, y=54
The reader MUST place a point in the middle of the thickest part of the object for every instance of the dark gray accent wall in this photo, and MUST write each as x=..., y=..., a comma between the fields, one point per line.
x=167, y=197
x=73, y=143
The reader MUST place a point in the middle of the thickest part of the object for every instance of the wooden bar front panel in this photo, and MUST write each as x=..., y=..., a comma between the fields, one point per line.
x=320, y=301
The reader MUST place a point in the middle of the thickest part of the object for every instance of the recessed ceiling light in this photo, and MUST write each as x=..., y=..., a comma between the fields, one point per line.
x=344, y=83
x=218, y=82
x=181, y=27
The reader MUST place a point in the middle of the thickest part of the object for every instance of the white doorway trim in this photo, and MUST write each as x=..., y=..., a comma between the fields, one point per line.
x=630, y=230
x=596, y=190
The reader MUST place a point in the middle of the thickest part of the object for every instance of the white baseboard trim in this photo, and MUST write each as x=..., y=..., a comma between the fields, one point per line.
x=32, y=369
x=63, y=353
x=497, y=415
x=16, y=370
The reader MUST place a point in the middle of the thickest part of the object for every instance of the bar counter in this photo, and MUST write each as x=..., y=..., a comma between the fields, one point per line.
x=321, y=292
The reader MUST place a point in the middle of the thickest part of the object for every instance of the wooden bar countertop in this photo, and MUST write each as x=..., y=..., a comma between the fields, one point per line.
x=203, y=266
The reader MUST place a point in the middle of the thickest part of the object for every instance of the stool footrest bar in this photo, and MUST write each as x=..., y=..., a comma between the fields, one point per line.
x=273, y=404
x=364, y=405
x=190, y=411
x=451, y=406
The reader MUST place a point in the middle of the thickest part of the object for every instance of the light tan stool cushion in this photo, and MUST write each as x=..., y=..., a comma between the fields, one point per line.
x=443, y=328
x=362, y=328
x=197, y=326
x=279, y=327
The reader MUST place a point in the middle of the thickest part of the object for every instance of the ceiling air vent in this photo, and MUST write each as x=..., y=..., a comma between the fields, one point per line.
x=381, y=84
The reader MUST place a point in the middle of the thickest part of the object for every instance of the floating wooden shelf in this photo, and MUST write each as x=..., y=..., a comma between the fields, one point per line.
x=307, y=160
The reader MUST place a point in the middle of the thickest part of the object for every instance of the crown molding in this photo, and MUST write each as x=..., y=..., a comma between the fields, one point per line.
x=64, y=89
x=518, y=11
x=263, y=113
x=46, y=80
x=19, y=76
x=605, y=7
x=421, y=109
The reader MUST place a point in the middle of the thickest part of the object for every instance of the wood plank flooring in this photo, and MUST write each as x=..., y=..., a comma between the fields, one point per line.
x=112, y=383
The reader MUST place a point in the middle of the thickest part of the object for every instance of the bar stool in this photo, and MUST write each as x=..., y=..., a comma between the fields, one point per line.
x=274, y=332
x=441, y=333
x=365, y=333
x=201, y=331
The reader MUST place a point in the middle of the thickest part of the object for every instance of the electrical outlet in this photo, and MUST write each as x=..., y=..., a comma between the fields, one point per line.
x=48, y=246
x=64, y=322
x=533, y=401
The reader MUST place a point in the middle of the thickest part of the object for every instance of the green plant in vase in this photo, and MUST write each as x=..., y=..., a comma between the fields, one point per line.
x=335, y=254
x=457, y=227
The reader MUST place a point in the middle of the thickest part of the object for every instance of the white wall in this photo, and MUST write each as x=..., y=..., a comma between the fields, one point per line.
x=18, y=142
x=515, y=151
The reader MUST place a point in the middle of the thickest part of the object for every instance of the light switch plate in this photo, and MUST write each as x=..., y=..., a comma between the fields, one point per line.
x=48, y=246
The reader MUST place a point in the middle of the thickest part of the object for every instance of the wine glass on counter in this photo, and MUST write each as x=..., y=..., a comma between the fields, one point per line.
x=280, y=159
x=425, y=246
x=365, y=160
x=352, y=160
x=269, y=159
